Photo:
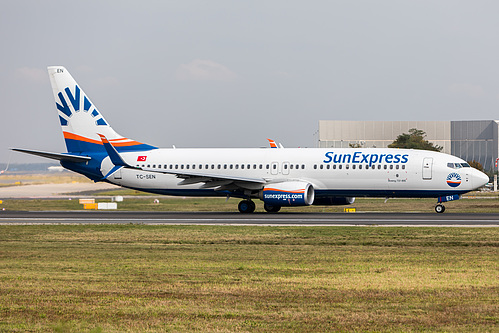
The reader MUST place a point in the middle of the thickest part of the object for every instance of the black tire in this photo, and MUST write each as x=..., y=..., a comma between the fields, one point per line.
x=246, y=206
x=271, y=209
x=439, y=209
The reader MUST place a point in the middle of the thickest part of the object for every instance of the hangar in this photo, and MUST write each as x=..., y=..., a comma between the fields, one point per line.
x=468, y=139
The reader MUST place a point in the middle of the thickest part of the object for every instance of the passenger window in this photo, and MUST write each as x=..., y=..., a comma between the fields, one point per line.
x=403, y=167
x=254, y=166
x=206, y=166
x=297, y=166
x=315, y=166
x=379, y=167
x=225, y=166
x=397, y=167
x=374, y=167
x=334, y=166
x=391, y=166
x=285, y=167
x=347, y=166
x=187, y=166
x=360, y=166
x=274, y=166
x=328, y=166
x=148, y=165
x=322, y=166
x=339, y=166
x=242, y=166
x=267, y=166
x=248, y=166
x=261, y=166
x=291, y=167
x=230, y=166
x=384, y=166
x=181, y=166
x=303, y=166
x=353, y=166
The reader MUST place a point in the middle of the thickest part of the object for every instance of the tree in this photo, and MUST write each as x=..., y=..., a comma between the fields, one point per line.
x=476, y=165
x=414, y=140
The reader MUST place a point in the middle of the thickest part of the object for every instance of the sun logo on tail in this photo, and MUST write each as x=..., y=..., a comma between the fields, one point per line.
x=67, y=112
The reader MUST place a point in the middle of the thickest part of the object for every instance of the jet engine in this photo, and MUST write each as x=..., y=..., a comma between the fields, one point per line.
x=292, y=193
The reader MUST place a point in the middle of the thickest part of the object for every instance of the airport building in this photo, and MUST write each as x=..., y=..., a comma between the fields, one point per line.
x=470, y=140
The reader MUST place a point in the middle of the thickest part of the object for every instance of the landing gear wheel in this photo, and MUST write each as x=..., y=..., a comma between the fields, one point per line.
x=246, y=206
x=271, y=209
x=440, y=208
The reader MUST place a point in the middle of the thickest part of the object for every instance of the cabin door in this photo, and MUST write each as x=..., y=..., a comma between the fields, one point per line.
x=427, y=166
x=117, y=174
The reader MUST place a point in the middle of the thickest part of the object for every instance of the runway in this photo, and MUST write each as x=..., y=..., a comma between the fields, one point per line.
x=261, y=219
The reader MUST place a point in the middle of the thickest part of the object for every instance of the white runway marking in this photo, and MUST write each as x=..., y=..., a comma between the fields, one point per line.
x=258, y=221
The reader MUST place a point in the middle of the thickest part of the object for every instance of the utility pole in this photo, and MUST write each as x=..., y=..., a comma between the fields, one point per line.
x=495, y=176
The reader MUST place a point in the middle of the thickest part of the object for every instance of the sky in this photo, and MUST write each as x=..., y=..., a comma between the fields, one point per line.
x=233, y=73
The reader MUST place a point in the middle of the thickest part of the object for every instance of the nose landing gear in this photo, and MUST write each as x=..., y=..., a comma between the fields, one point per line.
x=439, y=208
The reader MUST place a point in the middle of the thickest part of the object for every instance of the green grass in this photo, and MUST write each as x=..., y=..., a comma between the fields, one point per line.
x=222, y=205
x=115, y=278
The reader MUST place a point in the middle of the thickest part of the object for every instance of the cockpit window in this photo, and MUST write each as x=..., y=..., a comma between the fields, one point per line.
x=458, y=165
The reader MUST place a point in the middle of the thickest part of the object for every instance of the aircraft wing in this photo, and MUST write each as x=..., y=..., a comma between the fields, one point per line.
x=212, y=180
x=189, y=177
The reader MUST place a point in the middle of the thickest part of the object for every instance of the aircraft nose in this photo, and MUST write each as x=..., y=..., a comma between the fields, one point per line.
x=480, y=179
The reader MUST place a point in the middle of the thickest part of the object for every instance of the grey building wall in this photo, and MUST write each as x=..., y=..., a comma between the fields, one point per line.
x=475, y=140
x=379, y=134
x=470, y=140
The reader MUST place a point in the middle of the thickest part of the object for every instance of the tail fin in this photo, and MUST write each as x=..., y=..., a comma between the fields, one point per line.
x=80, y=120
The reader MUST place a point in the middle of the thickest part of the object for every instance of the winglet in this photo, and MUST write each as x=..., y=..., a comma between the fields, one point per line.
x=272, y=143
x=113, y=154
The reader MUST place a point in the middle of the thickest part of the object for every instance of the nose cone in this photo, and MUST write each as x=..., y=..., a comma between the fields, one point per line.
x=479, y=179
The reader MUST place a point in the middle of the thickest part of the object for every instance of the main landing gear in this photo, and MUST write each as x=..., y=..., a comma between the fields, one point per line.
x=439, y=208
x=246, y=206
x=271, y=209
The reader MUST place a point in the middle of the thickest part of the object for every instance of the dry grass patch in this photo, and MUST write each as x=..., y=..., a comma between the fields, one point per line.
x=259, y=279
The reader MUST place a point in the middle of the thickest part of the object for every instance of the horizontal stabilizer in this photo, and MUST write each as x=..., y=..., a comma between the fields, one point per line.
x=55, y=156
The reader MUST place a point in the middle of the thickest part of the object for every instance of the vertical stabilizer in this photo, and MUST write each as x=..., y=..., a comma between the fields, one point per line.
x=81, y=121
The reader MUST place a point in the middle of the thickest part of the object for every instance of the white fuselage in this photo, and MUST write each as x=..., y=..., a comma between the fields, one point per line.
x=333, y=172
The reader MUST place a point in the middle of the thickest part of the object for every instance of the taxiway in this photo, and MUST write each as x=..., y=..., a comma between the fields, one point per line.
x=263, y=219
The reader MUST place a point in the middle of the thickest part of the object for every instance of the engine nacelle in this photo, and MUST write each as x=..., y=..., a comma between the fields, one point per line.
x=334, y=201
x=292, y=193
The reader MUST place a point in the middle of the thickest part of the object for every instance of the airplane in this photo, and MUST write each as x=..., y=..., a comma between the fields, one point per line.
x=274, y=145
x=278, y=177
